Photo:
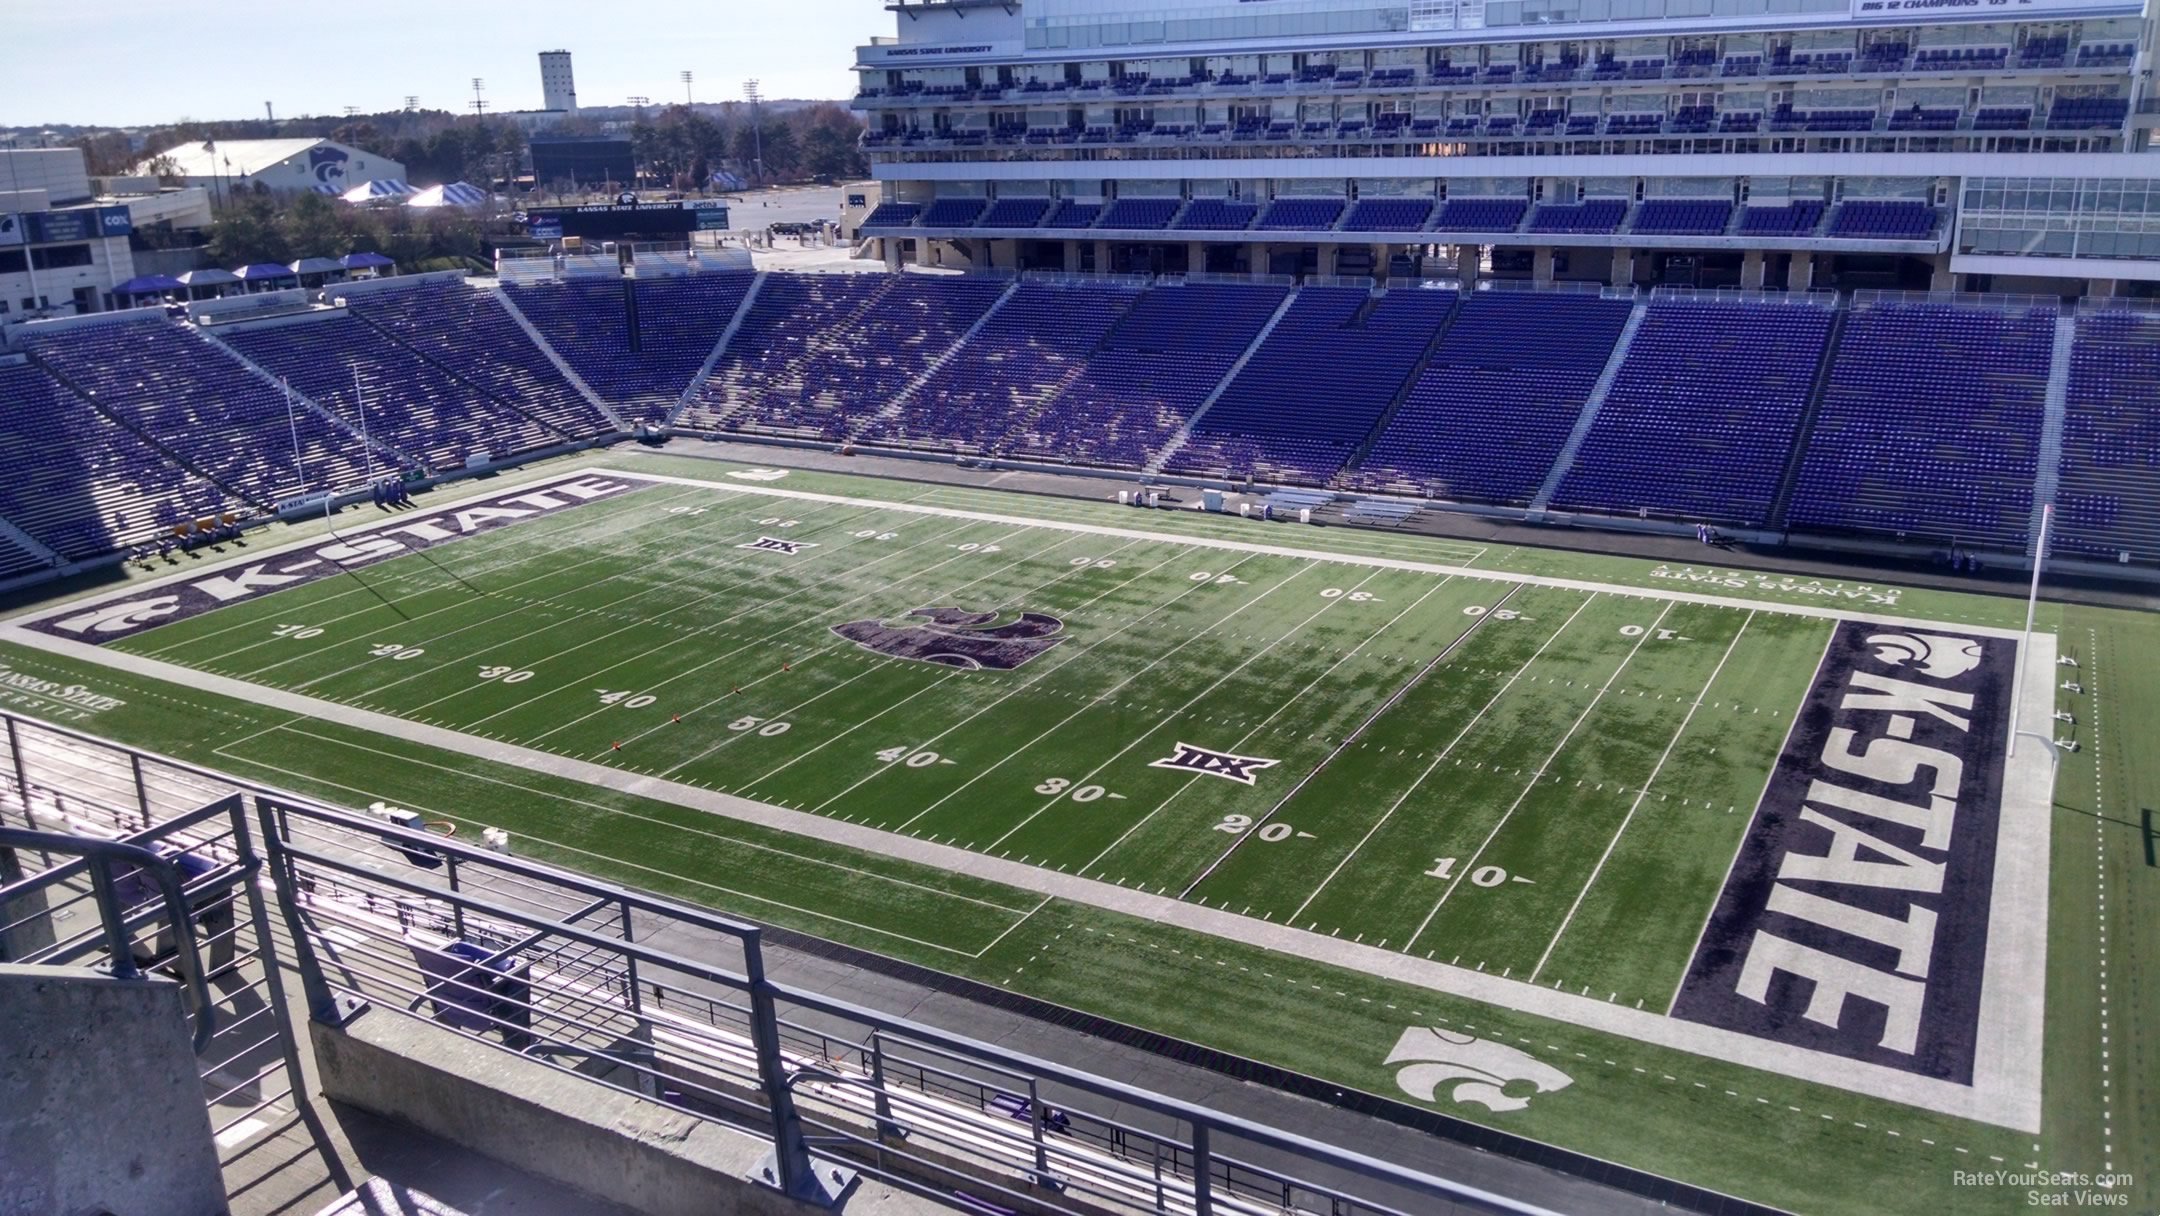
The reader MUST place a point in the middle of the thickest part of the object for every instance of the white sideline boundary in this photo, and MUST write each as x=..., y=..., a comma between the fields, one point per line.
x=2006, y=1088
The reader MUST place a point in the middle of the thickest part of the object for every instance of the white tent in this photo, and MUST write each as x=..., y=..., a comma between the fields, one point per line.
x=456, y=194
x=368, y=192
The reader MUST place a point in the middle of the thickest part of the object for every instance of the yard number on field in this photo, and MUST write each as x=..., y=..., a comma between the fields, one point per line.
x=1214, y=579
x=763, y=726
x=1080, y=793
x=395, y=650
x=297, y=631
x=1483, y=876
x=627, y=698
x=1237, y=825
x=913, y=759
x=1355, y=597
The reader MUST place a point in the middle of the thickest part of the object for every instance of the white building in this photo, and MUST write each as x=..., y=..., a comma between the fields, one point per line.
x=1800, y=143
x=279, y=166
x=64, y=248
x=558, y=91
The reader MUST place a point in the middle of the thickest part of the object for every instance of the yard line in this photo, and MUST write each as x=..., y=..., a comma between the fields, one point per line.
x=930, y=687
x=1002, y=760
x=1358, y=731
x=753, y=562
x=1445, y=752
x=1580, y=718
x=1771, y=776
x=1649, y=781
x=710, y=886
x=433, y=639
x=1037, y=679
x=1195, y=699
x=795, y=625
x=1007, y=932
x=254, y=621
x=1263, y=724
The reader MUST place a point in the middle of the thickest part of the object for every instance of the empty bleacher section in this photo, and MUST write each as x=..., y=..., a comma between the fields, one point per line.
x=203, y=406
x=81, y=484
x=1498, y=398
x=639, y=365
x=1028, y=352
x=1148, y=375
x=1700, y=420
x=819, y=354
x=412, y=405
x=1278, y=421
x=2108, y=500
x=1930, y=423
x=474, y=335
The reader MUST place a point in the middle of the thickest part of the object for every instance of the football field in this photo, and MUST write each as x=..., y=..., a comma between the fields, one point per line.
x=1670, y=817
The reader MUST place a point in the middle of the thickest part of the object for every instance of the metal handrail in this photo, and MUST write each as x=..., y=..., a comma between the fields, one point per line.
x=100, y=856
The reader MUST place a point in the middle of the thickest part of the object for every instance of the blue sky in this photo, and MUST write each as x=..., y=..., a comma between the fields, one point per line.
x=129, y=62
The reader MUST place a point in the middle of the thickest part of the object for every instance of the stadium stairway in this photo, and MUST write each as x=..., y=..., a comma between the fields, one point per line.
x=20, y=552
x=1782, y=504
x=719, y=351
x=1402, y=394
x=554, y=356
x=900, y=399
x=1585, y=420
x=2047, y=478
x=1184, y=433
x=382, y=447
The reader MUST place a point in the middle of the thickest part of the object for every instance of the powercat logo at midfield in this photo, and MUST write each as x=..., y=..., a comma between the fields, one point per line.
x=110, y=622
x=1855, y=920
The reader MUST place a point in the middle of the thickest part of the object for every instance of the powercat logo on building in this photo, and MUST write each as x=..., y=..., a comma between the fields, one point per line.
x=111, y=622
x=1855, y=919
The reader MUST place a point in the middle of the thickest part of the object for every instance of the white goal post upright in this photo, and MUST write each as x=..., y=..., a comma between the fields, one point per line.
x=2032, y=603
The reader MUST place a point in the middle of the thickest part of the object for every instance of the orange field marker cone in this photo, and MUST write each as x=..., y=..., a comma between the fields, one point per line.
x=618, y=745
x=738, y=690
x=785, y=667
x=677, y=717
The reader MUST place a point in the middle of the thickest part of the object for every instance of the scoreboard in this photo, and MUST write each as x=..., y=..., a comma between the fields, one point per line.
x=622, y=221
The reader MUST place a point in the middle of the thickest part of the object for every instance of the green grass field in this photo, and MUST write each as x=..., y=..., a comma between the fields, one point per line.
x=1537, y=781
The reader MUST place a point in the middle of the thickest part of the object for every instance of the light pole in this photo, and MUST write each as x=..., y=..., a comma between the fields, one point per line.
x=687, y=100
x=757, y=127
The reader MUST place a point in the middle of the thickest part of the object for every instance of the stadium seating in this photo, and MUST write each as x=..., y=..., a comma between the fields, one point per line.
x=1590, y=215
x=1700, y=420
x=820, y=354
x=1277, y=421
x=1140, y=213
x=1498, y=398
x=1789, y=219
x=1302, y=214
x=1016, y=213
x=678, y=321
x=204, y=406
x=1885, y=219
x=80, y=483
x=472, y=333
x=892, y=215
x=1216, y=215
x=1073, y=214
x=410, y=403
x=1389, y=215
x=2109, y=497
x=1147, y=376
x=953, y=212
x=1930, y=424
x=1481, y=215
x=1034, y=346
x=1683, y=216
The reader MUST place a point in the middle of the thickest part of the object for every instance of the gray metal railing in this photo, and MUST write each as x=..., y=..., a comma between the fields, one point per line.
x=674, y=1003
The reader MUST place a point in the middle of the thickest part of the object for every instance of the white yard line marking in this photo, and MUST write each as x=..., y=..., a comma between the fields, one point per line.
x=443, y=664
x=1471, y=866
x=938, y=683
x=1263, y=724
x=725, y=655
x=1445, y=752
x=1252, y=830
x=1636, y=805
x=1196, y=698
x=1034, y=680
x=1777, y=757
x=1204, y=542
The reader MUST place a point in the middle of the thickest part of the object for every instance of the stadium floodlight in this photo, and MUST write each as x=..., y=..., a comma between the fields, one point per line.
x=687, y=100
x=479, y=103
x=757, y=127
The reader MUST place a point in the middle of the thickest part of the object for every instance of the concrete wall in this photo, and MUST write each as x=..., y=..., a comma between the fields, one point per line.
x=101, y=1110
x=557, y=1125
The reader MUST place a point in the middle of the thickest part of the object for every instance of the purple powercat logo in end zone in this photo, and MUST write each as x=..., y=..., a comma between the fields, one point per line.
x=1855, y=920
x=118, y=619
